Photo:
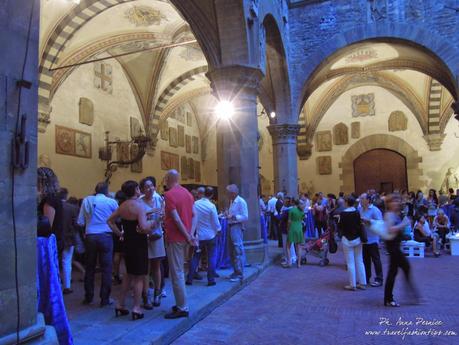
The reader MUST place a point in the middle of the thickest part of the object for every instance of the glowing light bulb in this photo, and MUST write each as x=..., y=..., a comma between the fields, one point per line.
x=272, y=114
x=224, y=109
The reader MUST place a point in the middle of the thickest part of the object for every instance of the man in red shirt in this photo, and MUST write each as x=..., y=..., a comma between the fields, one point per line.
x=180, y=223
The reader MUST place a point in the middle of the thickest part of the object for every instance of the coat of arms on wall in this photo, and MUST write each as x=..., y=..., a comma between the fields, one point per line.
x=197, y=171
x=324, y=166
x=144, y=16
x=169, y=161
x=363, y=105
x=184, y=166
x=340, y=134
x=397, y=121
x=189, y=119
x=103, y=77
x=180, y=136
x=188, y=143
x=164, y=129
x=191, y=168
x=72, y=142
x=324, y=141
x=136, y=167
x=195, y=145
x=86, y=111
x=355, y=130
x=173, y=142
x=180, y=115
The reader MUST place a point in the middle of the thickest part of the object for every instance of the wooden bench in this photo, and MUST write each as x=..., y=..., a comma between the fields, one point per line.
x=413, y=249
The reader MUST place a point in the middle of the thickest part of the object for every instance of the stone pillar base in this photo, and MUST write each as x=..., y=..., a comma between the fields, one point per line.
x=36, y=334
x=256, y=252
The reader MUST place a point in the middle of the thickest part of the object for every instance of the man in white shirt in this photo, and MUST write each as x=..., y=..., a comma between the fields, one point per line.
x=94, y=213
x=208, y=226
x=272, y=214
x=238, y=214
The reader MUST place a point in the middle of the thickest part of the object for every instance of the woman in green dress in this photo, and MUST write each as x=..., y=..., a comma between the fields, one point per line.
x=295, y=231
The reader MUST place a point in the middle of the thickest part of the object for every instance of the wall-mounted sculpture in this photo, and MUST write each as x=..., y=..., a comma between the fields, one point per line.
x=355, y=130
x=340, y=134
x=86, y=111
x=397, y=121
x=363, y=105
x=324, y=141
x=324, y=165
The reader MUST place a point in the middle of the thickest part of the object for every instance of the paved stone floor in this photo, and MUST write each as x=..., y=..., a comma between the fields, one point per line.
x=309, y=306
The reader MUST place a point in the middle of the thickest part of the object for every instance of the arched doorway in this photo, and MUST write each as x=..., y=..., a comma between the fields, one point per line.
x=380, y=169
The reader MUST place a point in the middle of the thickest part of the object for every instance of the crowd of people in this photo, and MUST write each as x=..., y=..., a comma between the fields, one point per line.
x=359, y=222
x=157, y=236
x=152, y=235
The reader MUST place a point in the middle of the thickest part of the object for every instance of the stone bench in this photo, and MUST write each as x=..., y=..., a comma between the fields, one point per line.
x=413, y=249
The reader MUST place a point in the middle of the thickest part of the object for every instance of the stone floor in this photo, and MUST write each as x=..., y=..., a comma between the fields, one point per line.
x=94, y=325
x=309, y=306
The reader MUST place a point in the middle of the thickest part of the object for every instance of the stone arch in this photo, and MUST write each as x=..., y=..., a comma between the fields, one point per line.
x=380, y=141
x=79, y=15
x=276, y=84
x=392, y=84
x=173, y=87
x=435, y=45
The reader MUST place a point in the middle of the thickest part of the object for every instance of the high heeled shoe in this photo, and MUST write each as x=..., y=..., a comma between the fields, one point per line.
x=137, y=316
x=121, y=312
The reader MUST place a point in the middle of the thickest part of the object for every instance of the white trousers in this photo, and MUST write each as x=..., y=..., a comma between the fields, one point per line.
x=292, y=249
x=354, y=260
x=67, y=255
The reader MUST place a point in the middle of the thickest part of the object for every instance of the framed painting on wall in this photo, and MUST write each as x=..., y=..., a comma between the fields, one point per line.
x=197, y=171
x=173, y=137
x=180, y=136
x=190, y=168
x=188, y=143
x=72, y=142
x=195, y=145
x=164, y=129
x=169, y=161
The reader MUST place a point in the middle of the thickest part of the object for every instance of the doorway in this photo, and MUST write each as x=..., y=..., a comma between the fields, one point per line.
x=380, y=169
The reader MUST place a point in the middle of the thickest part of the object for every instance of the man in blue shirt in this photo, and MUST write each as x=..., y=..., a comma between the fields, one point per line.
x=368, y=212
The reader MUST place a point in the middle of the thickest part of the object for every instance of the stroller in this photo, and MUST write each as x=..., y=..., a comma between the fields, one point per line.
x=318, y=247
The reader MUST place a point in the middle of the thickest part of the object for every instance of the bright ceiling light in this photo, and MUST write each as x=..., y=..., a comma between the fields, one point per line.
x=224, y=109
x=272, y=114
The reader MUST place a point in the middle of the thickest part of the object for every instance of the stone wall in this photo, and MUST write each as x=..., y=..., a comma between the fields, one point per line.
x=317, y=29
x=112, y=113
x=14, y=21
x=425, y=173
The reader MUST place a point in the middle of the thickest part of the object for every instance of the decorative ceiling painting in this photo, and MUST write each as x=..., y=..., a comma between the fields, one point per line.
x=144, y=16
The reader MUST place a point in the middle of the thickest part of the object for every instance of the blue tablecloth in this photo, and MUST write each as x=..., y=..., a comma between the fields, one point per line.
x=50, y=299
x=448, y=209
x=223, y=256
x=310, y=225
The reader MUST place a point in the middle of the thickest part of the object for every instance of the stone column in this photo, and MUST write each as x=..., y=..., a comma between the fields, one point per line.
x=237, y=147
x=14, y=24
x=285, y=158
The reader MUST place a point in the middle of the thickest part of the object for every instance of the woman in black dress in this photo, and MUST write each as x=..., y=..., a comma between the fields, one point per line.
x=135, y=230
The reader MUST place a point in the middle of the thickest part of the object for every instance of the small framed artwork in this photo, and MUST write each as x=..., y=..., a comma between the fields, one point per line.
x=197, y=171
x=195, y=145
x=181, y=136
x=164, y=129
x=137, y=166
x=170, y=161
x=190, y=168
x=73, y=142
x=184, y=166
x=173, y=137
x=188, y=143
x=189, y=119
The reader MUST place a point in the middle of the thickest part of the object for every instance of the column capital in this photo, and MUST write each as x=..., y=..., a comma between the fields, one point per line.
x=284, y=132
x=434, y=141
x=226, y=82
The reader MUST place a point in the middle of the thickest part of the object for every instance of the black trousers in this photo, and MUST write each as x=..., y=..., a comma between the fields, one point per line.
x=371, y=254
x=321, y=226
x=397, y=260
x=274, y=225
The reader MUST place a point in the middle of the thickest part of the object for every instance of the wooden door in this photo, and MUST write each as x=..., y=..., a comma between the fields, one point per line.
x=381, y=170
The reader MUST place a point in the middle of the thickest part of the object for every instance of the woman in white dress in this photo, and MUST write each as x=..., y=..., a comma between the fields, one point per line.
x=154, y=206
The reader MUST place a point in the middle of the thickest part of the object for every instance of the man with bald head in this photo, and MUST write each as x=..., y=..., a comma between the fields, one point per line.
x=180, y=223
